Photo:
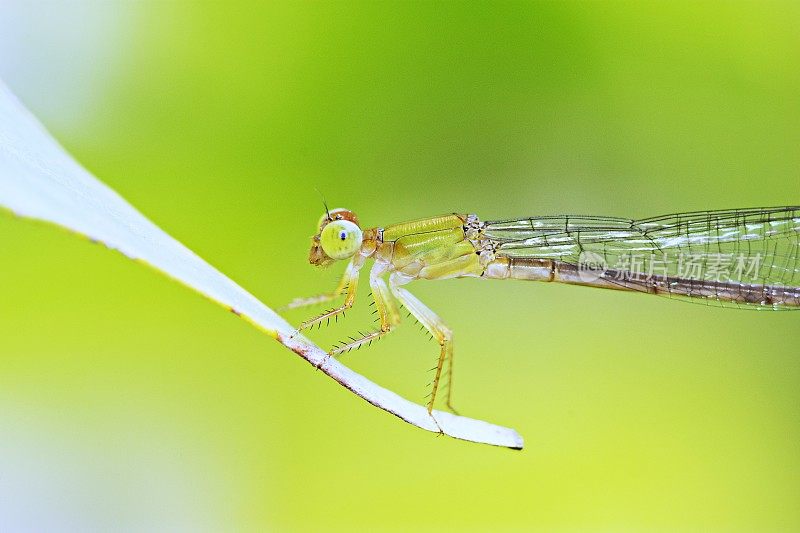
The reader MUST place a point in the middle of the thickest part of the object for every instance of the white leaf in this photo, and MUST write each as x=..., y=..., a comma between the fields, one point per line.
x=39, y=179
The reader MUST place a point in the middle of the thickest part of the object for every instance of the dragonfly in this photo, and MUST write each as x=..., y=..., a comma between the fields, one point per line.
x=742, y=258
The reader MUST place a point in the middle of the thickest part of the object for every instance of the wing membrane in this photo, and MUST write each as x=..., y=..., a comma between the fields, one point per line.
x=744, y=248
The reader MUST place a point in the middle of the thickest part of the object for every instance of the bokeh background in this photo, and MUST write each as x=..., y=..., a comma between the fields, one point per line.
x=127, y=402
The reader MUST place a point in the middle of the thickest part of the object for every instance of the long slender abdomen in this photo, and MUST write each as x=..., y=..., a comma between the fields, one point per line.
x=532, y=269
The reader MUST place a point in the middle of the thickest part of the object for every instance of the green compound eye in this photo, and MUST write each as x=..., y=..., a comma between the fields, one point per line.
x=341, y=239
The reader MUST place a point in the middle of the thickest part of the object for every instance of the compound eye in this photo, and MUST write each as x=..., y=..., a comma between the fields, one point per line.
x=341, y=239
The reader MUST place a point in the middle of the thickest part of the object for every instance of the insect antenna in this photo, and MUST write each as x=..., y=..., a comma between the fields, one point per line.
x=324, y=203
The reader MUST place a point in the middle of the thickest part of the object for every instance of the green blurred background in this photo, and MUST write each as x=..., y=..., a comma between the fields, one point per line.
x=128, y=402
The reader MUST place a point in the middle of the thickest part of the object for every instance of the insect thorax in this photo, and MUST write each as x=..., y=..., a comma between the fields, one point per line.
x=484, y=246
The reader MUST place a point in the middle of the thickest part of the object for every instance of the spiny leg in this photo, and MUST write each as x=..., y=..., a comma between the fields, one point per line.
x=349, y=280
x=384, y=307
x=432, y=323
x=321, y=298
x=449, y=397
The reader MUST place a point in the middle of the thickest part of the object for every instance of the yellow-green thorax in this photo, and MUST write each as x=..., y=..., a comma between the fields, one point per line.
x=429, y=248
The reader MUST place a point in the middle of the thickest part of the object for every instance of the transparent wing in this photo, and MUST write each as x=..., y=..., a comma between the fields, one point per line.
x=724, y=254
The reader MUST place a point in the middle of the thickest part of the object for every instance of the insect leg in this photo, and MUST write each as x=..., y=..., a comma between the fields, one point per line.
x=385, y=308
x=432, y=323
x=321, y=298
x=350, y=280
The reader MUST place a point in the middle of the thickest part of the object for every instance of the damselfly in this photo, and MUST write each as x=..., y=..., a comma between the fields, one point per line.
x=746, y=258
